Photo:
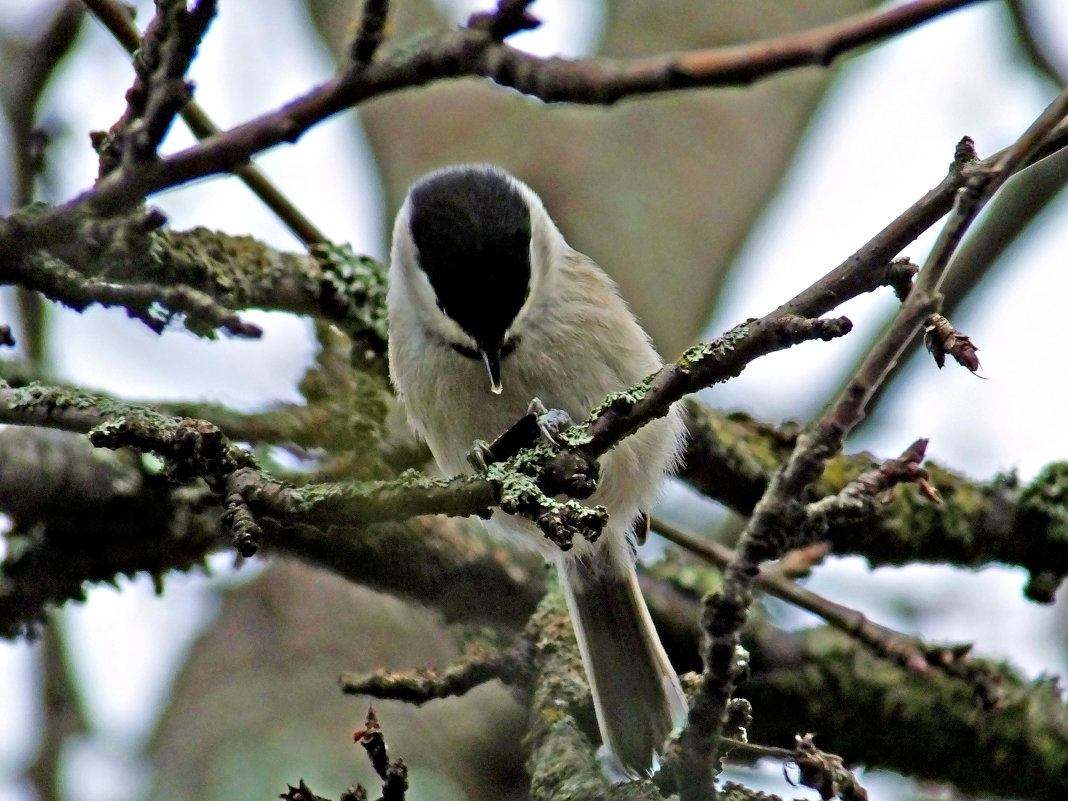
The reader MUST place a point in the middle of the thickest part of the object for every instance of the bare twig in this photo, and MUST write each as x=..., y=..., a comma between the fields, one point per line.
x=394, y=774
x=160, y=89
x=419, y=686
x=856, y=501
x=24, y=74
x=115, y=17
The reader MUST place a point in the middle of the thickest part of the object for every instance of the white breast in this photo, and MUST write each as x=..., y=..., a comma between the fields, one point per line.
x=571, y=354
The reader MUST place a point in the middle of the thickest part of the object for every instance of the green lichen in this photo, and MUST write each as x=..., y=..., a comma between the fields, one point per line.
x=354, y=493
x=190, y=447
x=624, y=400
x=47, y=398
x=517, y=481
x=357, y=286
x=237, y=270
x=753, y=453
x=577, y=436
x=1046, y=498
x=912, y=521
x=840, y=472
x=695, y=355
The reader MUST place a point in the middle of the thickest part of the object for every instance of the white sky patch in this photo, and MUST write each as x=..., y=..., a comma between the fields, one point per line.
x=129, y=642
x=569, y=28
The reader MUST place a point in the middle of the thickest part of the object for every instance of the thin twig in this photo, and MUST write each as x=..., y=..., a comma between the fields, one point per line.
x=159, y=90
x=25, y=71
x=905, y=650
x=423, y=685
x=115, y=17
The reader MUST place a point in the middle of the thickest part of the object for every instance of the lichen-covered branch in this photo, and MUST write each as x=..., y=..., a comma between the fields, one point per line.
x=525, y=483
x=909, y=652
x=1018, y=749
x=731, y=458
x=420, y=685
x=81, y=515
x=561, y=762
x=191, y=447
x=826, y=677
x=101, y=515
x=153, y=304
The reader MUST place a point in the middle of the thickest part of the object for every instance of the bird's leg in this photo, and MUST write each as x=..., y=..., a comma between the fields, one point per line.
x=550, y=421
x=538, y=422
x=571, y=473
x=481, y=455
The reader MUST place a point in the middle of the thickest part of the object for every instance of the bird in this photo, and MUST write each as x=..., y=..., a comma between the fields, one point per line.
x=489, y=310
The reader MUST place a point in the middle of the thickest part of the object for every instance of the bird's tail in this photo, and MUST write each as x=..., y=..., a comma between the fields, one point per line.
x=636, y=693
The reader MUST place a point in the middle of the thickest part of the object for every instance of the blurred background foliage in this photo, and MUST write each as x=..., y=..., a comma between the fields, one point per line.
x=663, y=191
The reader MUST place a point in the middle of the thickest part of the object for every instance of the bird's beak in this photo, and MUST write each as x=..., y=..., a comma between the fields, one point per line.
x=492, y=357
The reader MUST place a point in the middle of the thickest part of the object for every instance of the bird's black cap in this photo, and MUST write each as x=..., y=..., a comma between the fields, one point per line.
x=471, y=226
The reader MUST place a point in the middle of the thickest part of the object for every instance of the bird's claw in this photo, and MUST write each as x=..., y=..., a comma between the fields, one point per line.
x=480, y=456
x=551, y=422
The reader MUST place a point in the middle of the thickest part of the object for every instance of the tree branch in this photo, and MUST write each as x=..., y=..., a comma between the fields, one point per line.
x=425, y=684
x=778, y=514
x=116, y=18
x=910, y=653
x=467, y=52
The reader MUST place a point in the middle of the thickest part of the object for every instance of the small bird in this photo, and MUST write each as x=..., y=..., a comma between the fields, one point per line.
x=489, y=310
